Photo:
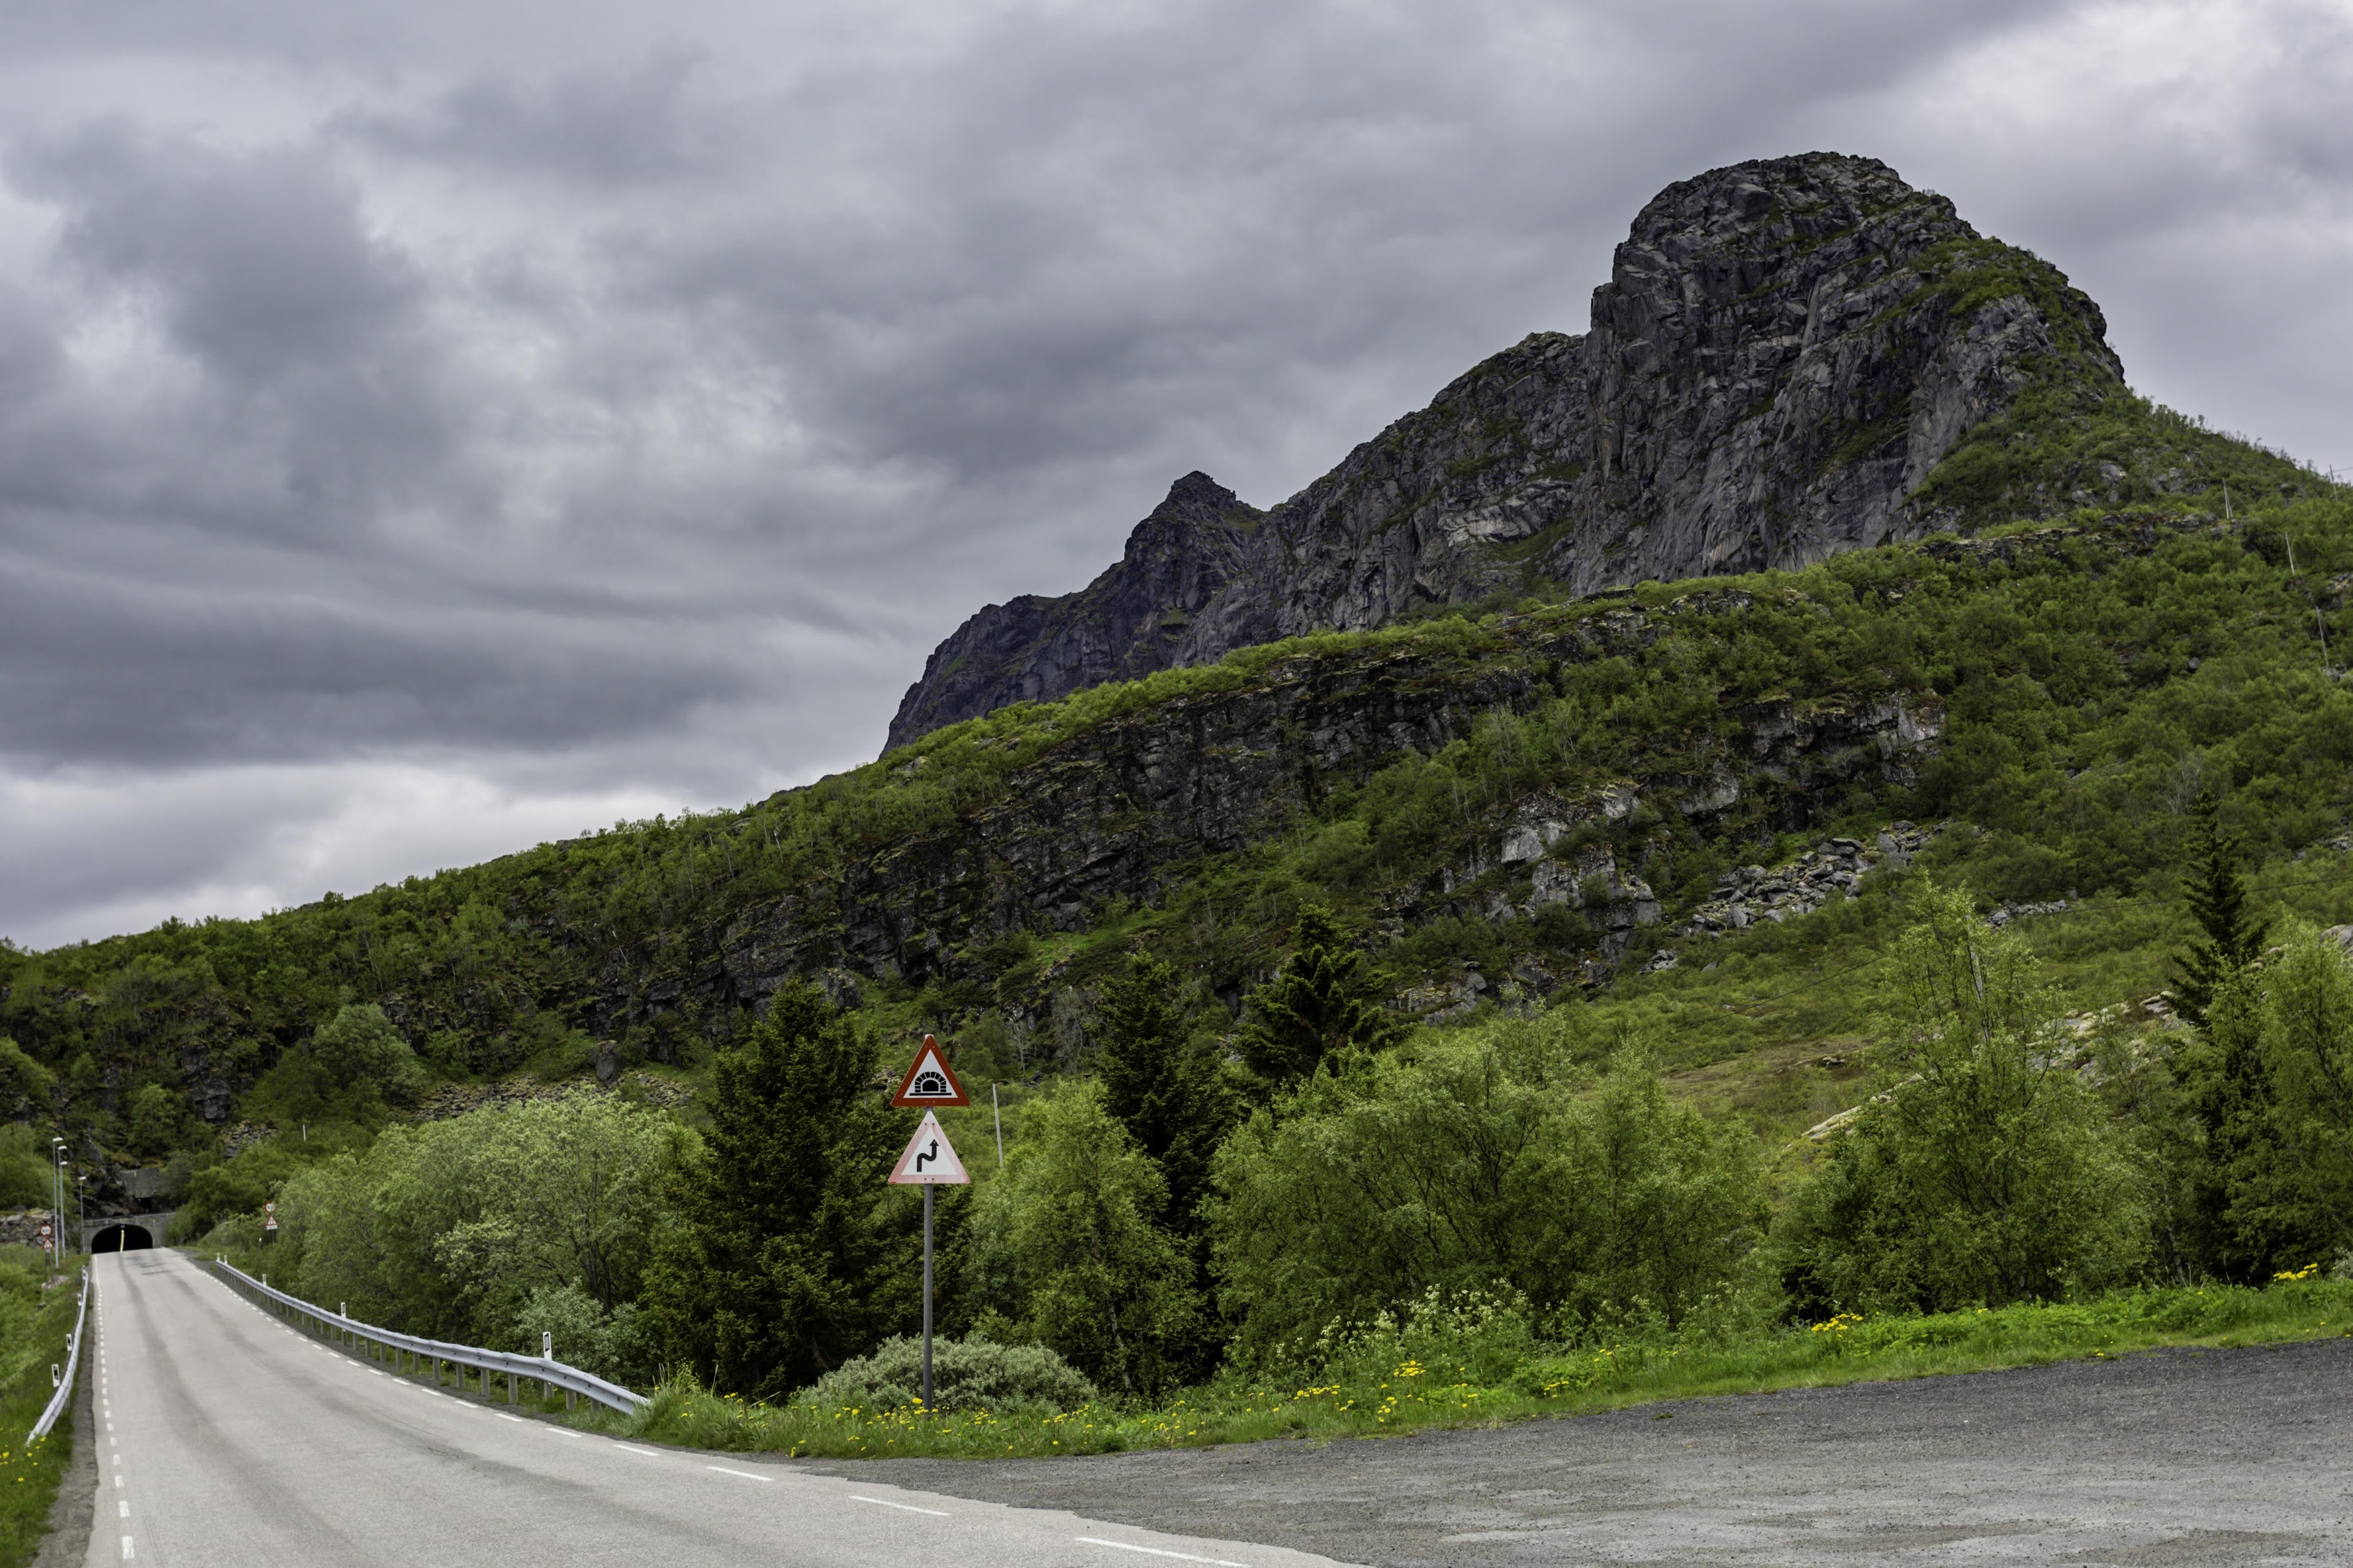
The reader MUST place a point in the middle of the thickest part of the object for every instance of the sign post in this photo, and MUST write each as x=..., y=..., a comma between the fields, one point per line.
x=268, y=1218
x=929, y=1161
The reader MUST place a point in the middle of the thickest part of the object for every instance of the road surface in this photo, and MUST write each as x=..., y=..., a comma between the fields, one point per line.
x=2181, y=1459
x=227, y=1440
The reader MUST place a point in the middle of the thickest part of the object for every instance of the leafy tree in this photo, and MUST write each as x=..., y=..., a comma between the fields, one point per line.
x=1068, y=1244
x=24, y=1179
x=26, y=1086
x=789, y=1262
x=1315, y=1005
x=1168, y=1089
x=2229, y=937
x=158, y=1117
x=1983, y=1175
x=1473, y=1167
x=463, y=1229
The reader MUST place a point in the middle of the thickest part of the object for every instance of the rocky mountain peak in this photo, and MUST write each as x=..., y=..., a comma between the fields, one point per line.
x=1784, y=352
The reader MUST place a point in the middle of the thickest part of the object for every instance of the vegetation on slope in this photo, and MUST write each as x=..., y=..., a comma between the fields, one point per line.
x=1230, y=1153
x=36, y=1317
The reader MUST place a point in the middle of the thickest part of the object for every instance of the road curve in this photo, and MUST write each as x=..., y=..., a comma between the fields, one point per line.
x=227, y=1440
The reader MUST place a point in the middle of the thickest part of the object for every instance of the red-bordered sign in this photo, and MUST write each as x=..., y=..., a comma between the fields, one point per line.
x=931, y=1082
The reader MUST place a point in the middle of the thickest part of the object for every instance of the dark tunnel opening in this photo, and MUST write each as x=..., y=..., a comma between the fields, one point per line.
x=120, y=1238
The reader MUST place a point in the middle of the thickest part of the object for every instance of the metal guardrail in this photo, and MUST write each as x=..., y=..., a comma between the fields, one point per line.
x=547, y=1370
x=73, y=1360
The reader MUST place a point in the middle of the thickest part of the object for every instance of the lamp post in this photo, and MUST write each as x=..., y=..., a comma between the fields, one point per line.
x=57, y=1208
x=81, y=1210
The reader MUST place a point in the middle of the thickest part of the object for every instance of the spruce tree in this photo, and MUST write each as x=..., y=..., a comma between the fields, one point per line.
x=1166, y=1090
x=788, y=1263
x=2229, y=937
x=1314, y=1006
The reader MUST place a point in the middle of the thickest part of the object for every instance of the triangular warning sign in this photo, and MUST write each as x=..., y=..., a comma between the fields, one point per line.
x=930, y=1160
x=929, y=1082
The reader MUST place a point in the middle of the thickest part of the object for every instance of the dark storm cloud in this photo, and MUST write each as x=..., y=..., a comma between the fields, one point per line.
x=430, y=423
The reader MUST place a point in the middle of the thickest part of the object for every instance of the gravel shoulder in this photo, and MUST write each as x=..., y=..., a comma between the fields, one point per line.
x=2209, y=1459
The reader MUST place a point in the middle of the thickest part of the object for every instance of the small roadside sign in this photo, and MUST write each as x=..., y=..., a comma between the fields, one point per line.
x=46, y=1231
x=930, y=1160
x=270, y=1206
x=930, y=1082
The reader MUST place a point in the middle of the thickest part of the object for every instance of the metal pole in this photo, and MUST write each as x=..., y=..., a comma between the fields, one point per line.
x=999, y=1112
x=927, y=1298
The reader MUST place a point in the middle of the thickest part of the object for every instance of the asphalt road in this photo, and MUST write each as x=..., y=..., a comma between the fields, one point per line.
x=2181, y=1459
x=227, y=1440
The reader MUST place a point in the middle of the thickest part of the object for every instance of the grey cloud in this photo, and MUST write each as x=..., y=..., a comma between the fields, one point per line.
x=636, y=394
x=259, y=260
x=603, y=126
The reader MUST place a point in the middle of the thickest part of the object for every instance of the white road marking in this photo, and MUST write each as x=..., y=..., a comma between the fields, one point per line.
x=911, y=1508
x=648, y=1452
x=504, y=1416
x=1158, y=1551
x=126, y=1549
x=745, y=1474
x=124, y=1507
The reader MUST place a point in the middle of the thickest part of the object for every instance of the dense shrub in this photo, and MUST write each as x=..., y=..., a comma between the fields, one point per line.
x=967, y=1375
x=1986, y=1172
x=1068, y=1250
x=450, y=1228
x=1461, y=1166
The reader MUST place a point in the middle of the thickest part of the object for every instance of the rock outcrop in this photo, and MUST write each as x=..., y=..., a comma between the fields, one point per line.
x=1132, y=805
x=1784, y=353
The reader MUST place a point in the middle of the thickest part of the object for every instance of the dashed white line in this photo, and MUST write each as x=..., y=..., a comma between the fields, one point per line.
x=504, y=1416
x=124, y=1509
x=1158, y=1551
x=126, y=1549
x=648, y=1452
x=745, y=1474
x=911, y=1508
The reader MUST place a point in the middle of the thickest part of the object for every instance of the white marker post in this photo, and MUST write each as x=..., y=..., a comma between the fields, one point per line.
x=930, y=1161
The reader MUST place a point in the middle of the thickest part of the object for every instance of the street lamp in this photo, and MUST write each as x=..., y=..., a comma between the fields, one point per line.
x=58, y=1208
x=81, y=1210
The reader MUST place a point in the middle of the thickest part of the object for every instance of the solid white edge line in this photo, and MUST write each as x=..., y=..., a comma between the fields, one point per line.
x=1158, y=1551
x=745, y=1474
x=911, y=1508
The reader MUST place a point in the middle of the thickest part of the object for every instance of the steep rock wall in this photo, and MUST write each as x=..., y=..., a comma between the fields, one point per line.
x=1784, y=352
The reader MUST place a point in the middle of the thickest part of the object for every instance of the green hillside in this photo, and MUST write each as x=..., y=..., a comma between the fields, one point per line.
x=1640, y=888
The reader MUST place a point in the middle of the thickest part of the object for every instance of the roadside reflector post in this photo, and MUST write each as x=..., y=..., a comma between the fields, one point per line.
x=930, y=1160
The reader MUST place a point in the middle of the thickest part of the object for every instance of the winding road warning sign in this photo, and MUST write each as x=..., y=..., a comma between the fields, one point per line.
x=930, y=1082
x=930, y=1160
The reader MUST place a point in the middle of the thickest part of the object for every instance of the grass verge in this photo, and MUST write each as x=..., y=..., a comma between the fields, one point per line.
x=35, y=1319
x=1413, y=1392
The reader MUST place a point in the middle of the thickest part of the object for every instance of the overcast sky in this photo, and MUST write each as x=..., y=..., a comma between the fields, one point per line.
x=429, y=429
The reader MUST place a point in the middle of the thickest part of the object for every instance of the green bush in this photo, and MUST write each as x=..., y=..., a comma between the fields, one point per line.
x=1486, y=1165
x=1069, y=1250
x=1987, y=1174
x=967, y=1375
x=25, y=1181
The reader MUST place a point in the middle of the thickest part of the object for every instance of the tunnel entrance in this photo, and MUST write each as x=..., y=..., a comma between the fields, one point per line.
x=120, y=1238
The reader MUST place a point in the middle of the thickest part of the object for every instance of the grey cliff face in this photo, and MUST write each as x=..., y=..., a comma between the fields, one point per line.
x=1783, y=353
x=1127, y=622
x=1130, y=807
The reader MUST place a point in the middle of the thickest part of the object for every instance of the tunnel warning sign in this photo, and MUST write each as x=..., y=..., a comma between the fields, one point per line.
x=930, y=1160
x=929, y=1082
